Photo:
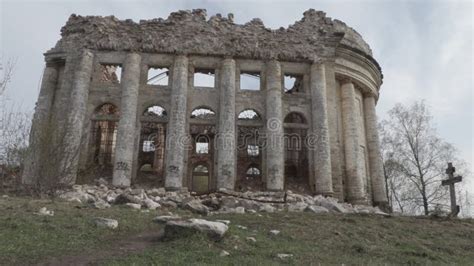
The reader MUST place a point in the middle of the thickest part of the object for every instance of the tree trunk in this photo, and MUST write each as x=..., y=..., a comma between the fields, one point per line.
x=423, y=194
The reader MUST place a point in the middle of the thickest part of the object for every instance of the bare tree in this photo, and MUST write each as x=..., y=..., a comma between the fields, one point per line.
x=415, y=159
x=14, y=130
x=6, y=73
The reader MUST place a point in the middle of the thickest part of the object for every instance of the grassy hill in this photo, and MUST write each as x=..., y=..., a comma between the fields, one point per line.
x=70, y=237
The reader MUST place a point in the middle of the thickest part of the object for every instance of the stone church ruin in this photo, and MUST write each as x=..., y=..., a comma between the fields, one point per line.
x=206, y=104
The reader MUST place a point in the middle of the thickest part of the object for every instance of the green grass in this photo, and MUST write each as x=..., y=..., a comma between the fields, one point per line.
x=328, y=239
x=26, y=237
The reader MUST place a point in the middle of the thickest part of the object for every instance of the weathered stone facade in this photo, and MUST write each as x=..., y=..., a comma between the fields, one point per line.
x=317, y=134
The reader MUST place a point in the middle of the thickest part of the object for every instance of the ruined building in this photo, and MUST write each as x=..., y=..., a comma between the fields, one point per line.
x=206, y=103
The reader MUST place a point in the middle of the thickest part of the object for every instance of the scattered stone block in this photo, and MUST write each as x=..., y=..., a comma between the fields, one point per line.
x=45, y=212
x=214, y=230
x=274, y=232
x=197, y=207
x=297, y=207
x=106, y=223
x=151, y=205
x=251, y=239
x=77, y=196
x=224, y=253
x=100, y=204
x=284, y=256
x=267, y=208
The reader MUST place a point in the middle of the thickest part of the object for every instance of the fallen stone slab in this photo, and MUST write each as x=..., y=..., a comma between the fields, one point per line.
x=267, y=208
x=297, y=207
x=127, y=198
x=106, y=223
x=150, y=204
x=197, y=207
x=183, y=228
x=163, y=219
x=77, y=196
x=101, y=204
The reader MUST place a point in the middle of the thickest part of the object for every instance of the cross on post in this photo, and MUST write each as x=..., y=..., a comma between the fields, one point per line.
x=451, y=181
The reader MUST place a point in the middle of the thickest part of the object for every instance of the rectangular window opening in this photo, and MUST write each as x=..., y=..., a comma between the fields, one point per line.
x=158, y=76
x=204, y=78
x=110, y=73
x=293, y=83
x=202, y=147
x=253, y=150
x=250, y=81
x=148, y=146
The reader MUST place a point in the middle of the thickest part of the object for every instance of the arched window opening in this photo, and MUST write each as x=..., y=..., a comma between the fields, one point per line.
x=201, y=169
x=202, y=144
x=203, y=113
x=152, y=149
x=253, y=172
x=296, y=153
x=249, y=114
x=104, y=137
x=106, y=109
x=146, y=168
x=155, y=111
x=295, y=118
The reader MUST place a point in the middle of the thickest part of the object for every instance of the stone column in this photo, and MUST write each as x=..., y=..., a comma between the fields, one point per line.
x=125, y=148
x=226, y=144
x=375, y=157
x=176, y=137
x=320, y=131
x=40, y=121
x=350, y=123
x=77, y=109
x=275, y=145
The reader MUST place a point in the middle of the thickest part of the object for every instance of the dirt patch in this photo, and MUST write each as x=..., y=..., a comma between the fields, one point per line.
x=122, y=247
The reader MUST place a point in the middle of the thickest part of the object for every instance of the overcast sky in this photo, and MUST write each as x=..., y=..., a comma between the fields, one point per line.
x=425, y=48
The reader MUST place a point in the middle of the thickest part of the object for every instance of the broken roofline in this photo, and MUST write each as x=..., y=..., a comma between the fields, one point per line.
x=314, y=36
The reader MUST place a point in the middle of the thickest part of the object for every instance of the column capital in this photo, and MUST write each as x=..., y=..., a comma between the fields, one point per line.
x=228, y=60
x=316, y=60
x=346, y=80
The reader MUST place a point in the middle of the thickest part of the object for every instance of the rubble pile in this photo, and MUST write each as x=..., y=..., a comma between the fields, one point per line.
x=223, y=201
